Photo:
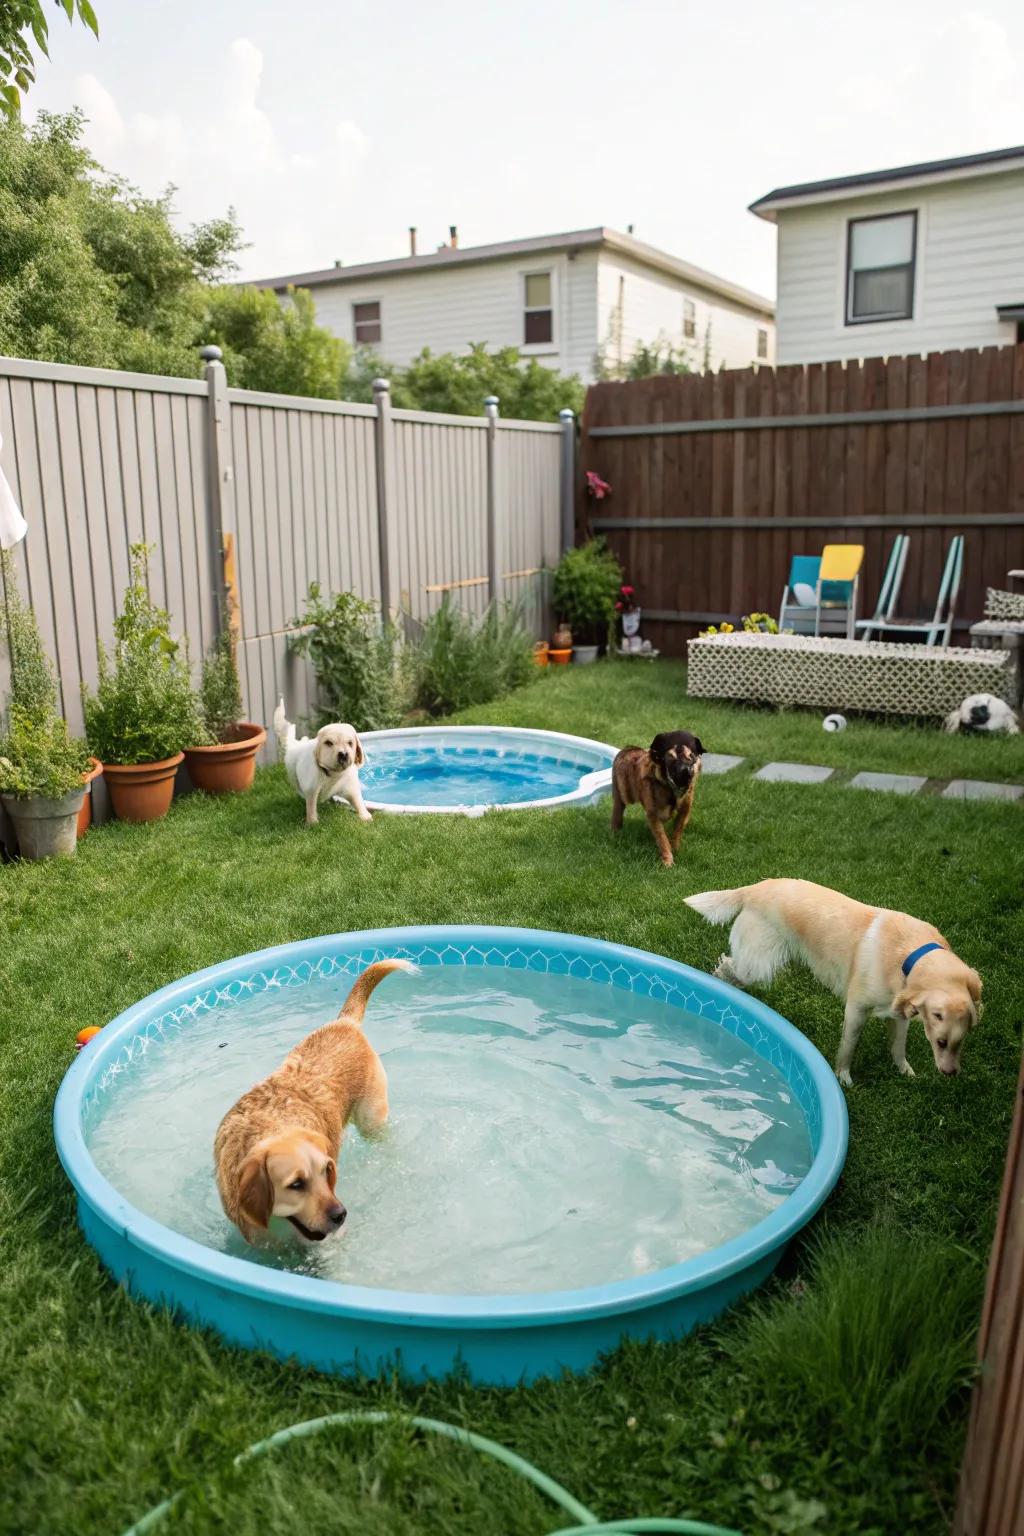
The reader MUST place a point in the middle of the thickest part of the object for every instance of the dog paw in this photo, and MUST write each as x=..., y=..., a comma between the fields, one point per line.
x=366, y=816
x=667, y=862
x=905, y=1069
x=844, y=1077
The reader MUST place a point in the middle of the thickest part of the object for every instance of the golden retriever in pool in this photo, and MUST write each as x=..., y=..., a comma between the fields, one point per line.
x=276, y=1150
x=880, y=962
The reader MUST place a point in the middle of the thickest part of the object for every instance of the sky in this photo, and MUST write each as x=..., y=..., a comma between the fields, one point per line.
x=330, y=126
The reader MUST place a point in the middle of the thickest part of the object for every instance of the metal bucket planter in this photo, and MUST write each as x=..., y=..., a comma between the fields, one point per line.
x=584, y=655
x=45, y=829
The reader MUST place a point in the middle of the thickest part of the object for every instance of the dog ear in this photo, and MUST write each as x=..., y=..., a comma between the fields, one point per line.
x=974, y=985
x=360, y=759
x=255, y=1190
x=698, y=746
x=657, y=746
x=332, y=1174
x=907, y=1004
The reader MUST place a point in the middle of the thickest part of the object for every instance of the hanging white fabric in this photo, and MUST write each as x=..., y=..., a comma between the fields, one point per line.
x=13, y=526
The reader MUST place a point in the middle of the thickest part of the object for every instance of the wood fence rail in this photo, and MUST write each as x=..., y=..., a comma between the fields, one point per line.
x=718, y=479
x=991, y=1499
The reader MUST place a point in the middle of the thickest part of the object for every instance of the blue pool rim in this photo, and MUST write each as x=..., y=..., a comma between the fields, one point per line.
x=501, y=1339
x=594, y=781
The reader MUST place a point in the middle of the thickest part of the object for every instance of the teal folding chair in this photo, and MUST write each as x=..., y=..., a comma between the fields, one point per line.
x=889, y=592
x=938, y=629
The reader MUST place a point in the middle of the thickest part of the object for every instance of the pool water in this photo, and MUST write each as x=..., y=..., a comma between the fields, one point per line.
x=547, y=1133
x=459, y=776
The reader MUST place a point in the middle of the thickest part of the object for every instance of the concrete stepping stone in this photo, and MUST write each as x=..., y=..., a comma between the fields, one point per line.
x=980, y=789
x=719, y=762
x=893, y=783
x=793, y=773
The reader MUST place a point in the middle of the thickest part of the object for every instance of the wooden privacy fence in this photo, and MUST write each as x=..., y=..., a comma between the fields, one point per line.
x=258, y=495
x=718, y=479
x=991, y=1499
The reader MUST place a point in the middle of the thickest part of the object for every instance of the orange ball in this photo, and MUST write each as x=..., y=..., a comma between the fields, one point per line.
x=85, y=1035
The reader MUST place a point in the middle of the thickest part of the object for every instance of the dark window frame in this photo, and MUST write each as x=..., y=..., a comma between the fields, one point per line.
x=762, y=343
x=689, y=319
x=876, y=218
x=367, y=341
x=537, y=310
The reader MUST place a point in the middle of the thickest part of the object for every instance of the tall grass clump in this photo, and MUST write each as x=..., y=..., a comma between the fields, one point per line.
x=877, y=1348
x=458, y=660
x=354, y=652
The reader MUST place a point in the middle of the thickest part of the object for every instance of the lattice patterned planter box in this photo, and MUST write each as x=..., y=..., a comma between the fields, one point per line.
x=869, y=675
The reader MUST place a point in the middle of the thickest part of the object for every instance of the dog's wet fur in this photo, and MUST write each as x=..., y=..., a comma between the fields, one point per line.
x=663, y=779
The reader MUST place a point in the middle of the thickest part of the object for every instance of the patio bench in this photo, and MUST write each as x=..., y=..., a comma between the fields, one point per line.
x=870, y=675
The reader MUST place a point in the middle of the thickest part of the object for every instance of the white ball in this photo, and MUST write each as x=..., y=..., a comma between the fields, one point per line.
x=834, y=723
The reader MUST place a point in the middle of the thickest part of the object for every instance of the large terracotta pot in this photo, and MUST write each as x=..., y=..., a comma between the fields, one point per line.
x=142, y=791
x=45, y=828
x=85, y=814
x=229, y=767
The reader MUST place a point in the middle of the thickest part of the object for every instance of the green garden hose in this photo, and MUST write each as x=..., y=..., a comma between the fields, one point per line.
x=585, y=1523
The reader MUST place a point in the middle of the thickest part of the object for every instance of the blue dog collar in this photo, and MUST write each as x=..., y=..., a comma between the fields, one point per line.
x=915, y=955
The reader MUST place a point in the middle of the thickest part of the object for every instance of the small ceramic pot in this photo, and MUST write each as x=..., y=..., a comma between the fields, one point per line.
x=85, y=814
x=228, y=767
x=583, y=655
x=560, y=658
x=142, y=791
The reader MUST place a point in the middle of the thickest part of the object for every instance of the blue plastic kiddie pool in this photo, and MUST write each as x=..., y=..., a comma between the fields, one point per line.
x=470, y=769
x=588, y=1142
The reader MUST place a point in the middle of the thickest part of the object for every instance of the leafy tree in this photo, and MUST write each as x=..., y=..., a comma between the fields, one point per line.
x=527, y=390
x=17, y=67
x=272, y=345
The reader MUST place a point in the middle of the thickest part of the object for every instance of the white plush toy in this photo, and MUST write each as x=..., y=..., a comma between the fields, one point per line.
x=983, y=712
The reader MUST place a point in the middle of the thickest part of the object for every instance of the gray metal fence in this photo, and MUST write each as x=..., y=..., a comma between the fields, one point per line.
x=257, y=495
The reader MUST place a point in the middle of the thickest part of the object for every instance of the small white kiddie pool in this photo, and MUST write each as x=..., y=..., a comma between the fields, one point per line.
x=470, y=769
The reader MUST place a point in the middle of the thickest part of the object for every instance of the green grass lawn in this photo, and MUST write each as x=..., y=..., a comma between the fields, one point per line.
x=832, y=1402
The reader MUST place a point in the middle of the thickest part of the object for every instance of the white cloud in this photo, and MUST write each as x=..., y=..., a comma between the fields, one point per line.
x=233, y=155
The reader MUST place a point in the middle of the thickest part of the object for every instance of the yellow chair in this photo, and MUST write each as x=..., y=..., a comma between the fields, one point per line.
x=838, y=582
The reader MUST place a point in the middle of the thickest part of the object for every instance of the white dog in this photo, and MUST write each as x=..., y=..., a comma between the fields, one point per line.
x=880, y=961
x=983, y=712
x=323, y=765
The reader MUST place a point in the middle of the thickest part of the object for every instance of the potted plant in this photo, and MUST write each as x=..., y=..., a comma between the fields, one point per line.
x=227, y=765
x=144, y=711
x=41, y=766
x=584, y=590
x=628, y=609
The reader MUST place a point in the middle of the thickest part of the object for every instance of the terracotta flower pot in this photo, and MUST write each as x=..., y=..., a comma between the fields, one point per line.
x=45, y=828
x=85, y=814
x=229, y=767
x=563, y=638
x=540, y=653
x=560, y=658
x=142, y=791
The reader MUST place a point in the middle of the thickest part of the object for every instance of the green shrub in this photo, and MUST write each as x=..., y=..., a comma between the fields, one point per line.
x=37, y=756
x=459, y=661
x=584, y=591
x=144, y=708
x=220, y=692
x=355, y=659
x=879, y=1347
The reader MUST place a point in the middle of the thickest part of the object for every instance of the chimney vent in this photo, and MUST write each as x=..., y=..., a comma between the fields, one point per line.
x=453, y=233
x=338, y=261
x=412, y=239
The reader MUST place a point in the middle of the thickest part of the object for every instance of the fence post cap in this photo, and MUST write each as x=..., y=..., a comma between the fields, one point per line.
x=566, y=414
x=210, y=354
x=381, y=386
x=491, y=400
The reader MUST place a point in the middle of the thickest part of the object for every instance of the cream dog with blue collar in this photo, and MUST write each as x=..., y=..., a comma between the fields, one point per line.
x=880, y=962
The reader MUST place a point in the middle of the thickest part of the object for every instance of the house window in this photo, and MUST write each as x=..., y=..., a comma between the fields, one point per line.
x=762, y=343
x=538, y=315
x=880, y=258
x=366, y=320
x=689, y=320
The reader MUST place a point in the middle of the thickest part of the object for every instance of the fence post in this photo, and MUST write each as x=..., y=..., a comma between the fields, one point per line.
x=384, y=443
x=567, y=496
x=493, y=579
x=221, y=490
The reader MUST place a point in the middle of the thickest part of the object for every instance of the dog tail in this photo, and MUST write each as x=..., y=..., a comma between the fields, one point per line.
x=354, y=1006
x=283, y=728
x=718, y=906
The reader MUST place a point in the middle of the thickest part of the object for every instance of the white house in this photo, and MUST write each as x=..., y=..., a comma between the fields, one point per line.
x=560, y=298
x=922, y=258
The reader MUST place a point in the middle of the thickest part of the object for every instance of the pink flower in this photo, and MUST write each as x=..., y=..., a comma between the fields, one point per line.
x=597, y=487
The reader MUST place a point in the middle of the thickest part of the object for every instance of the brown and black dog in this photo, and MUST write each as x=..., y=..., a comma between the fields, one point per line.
x=663, y=779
